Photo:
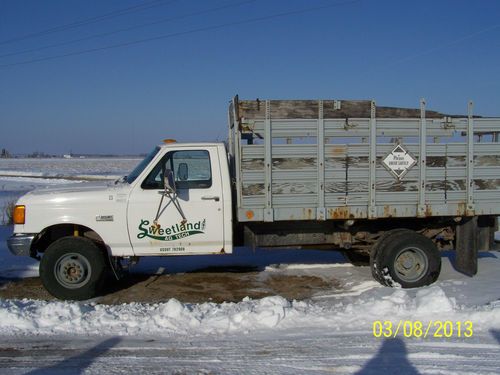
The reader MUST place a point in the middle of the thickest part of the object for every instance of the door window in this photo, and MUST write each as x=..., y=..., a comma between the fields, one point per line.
x=191, y=170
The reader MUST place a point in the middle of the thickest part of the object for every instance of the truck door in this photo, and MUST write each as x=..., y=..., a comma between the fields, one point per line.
x=198, y=184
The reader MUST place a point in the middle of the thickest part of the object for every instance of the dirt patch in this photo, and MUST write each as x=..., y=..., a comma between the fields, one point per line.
x=189, y=287
x=30, y=287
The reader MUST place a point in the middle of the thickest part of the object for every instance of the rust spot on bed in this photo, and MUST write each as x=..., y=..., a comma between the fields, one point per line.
x=461, y=209
x=308, y=213
x=340, y=213
x=339, y=150
x=389, y=211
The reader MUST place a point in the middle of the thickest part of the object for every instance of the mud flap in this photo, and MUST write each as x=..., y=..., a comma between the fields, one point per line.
x=466, y=244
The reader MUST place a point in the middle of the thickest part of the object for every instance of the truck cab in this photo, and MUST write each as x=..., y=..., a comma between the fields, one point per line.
x=191, y=217
x=83, y=230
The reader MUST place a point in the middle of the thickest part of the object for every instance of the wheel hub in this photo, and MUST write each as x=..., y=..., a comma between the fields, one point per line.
x=72, y=270
x=407, y=262
x=411, y=264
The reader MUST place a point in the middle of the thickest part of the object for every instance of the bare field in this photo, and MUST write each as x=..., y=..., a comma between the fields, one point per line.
x=195, y=287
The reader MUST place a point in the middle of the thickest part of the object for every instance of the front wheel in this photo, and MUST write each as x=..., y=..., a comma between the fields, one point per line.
x=406, y=258
x=73, y=268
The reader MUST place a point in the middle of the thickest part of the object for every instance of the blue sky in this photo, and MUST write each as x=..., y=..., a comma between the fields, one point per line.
x=125, y=100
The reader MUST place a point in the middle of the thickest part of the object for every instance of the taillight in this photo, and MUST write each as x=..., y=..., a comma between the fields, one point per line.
x=19, y=214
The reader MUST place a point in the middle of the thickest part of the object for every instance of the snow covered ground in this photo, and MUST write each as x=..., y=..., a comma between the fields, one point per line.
x=451, y=327
x=68, y=167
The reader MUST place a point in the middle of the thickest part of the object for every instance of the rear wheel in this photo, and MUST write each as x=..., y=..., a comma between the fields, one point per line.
x=406, y=258
x=73, y=268
x=375, y=251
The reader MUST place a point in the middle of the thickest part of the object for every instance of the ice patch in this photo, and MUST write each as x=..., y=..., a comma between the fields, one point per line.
x=275, y=267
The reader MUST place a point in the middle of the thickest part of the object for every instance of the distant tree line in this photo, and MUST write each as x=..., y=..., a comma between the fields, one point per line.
x=39, y=155
x=5, y=154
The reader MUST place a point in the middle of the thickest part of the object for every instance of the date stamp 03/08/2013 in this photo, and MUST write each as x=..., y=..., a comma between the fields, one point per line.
x=420, y=329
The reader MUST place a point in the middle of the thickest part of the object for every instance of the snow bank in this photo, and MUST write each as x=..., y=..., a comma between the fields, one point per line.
x=40, y=317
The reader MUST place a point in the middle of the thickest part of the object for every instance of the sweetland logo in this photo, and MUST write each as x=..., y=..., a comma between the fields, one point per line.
x=175, y=232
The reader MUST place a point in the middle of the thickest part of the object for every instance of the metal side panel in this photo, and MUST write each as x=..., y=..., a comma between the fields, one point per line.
x=320, y=187
x=373, y=163
x=268, y=161
x=333, y=165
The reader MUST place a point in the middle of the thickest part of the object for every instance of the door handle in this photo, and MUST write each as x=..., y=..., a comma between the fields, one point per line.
x=210, y=197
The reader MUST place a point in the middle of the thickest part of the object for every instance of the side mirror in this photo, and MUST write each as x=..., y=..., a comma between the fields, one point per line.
x=169, y=180
x=182, y=172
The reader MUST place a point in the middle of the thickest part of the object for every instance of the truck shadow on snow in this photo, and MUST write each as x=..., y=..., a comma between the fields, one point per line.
x=451, y=255
x=77, y=364
x=243, y=259
x=496, y=334
x=391, y=358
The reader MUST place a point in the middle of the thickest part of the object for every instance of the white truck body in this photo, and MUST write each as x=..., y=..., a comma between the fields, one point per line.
x=122, y=213
x=347, y=175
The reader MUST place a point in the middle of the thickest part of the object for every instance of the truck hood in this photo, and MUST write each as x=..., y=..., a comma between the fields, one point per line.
x=82, y=193
x=83, y=187
x=79, y=203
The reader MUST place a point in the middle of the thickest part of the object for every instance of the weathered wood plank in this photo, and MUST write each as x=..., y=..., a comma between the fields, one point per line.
x=448, y=185
x=349, y=187
x=295, y=188
x=281, y=188
x=294, y=163
x=356, y=187
x=339, y=161
x=252, y=164
x=252, y=189
x=487, y=161
x=308, y=109
x=445, y=161
x=493, y=184
x=351, y=162
x=362, y=162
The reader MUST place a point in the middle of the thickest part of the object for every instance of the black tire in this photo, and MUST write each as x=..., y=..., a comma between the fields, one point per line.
x=376, y=272
x=406, y=258
x=73, y=268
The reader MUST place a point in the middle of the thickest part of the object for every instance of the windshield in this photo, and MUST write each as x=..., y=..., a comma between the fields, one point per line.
x=140, y=167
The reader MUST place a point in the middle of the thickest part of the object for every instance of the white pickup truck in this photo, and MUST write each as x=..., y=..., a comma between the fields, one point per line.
x=372, y=181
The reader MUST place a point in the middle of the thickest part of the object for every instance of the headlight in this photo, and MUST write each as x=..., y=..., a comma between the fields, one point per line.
x=19, y=215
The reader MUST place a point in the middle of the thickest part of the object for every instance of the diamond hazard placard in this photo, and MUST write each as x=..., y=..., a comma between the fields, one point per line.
x=399, y=162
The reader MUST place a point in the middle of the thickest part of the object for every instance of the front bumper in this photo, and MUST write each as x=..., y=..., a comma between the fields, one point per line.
x=20, y=244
